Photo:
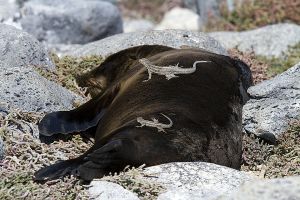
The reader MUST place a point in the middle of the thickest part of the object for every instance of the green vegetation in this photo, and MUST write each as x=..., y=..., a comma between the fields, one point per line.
x=273, y=161
x=25, y=154
x=263, y=68
x=67, y=68
x=279, y=65
x=132, y=180
x=255, y=13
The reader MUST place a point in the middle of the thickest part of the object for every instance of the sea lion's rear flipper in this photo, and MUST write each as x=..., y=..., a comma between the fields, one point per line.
x=80, y=119
x=112, y=157
x=57, y=170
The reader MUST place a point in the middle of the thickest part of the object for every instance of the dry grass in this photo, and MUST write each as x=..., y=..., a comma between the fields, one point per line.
x=255, y=13
x=25, y=154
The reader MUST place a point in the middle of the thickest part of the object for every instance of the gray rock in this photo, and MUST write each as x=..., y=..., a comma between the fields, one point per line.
x=19, y=49
x=133, y=25
x=21, y=2
x=274, y=189
x=206, y=8
x=7, y=9
x=23, y=88
x=4, y=109
x=273, y=104
x=71, y=21
x=1, y=149
x=13, y=22
x=272, y=40
x=172, y=38
x=180, y=18
x=99, y=190
x=196, y=180
x=110, y=1
x=62, y=49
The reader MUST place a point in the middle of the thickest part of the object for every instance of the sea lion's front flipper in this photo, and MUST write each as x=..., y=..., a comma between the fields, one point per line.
x=80, y=119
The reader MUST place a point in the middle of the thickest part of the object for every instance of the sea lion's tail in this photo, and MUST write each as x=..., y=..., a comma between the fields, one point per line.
x=57, y=170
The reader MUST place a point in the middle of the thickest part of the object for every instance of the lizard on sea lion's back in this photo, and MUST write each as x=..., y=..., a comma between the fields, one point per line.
x=198, y=113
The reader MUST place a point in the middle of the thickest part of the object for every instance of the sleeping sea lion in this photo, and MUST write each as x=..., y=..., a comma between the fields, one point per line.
x=154, y=105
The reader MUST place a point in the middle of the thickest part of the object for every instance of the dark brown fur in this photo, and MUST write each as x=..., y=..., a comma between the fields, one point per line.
x=205, y=107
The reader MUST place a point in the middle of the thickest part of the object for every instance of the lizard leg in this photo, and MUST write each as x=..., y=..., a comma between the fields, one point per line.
x=149, y=76
x=169, y=76
x=161, y=129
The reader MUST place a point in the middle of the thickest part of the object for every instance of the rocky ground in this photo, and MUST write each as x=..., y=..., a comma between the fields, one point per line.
x=34, y=82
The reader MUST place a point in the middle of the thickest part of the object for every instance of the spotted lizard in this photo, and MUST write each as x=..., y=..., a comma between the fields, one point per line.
x=155, y=123
x=168, y=71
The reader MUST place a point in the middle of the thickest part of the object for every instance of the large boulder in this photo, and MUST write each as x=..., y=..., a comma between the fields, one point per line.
x=25, y=89
x=273, y=104
x=62, y=49
x=71, y=21
x=180, y=18
x=111, y=1
x=204, y=7
x=133, y=25
x=20, y=86
x=19, y=49
x=172, y=38
x=100, y=190
x=274, y=189
x=187, y=180
x=272, y=40
x=196, y=180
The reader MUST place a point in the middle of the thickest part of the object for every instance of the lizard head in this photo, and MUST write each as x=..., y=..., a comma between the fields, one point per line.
x=144, y=61
x=139, y=119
